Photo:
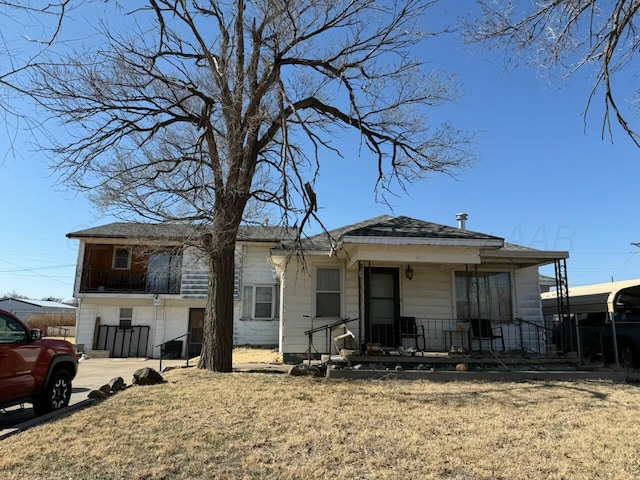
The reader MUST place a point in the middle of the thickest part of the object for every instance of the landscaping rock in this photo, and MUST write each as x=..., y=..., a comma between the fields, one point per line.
x=302, y=370
x=146, y=376
x=106, y=389
x=116, y=384
x=97, y=395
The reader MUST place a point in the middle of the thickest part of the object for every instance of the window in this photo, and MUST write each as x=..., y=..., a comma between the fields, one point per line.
x=126, y=317
x=328, y=292
x=11, y=331
x=260, y=301
x=121, y=259
x=164, y=273
x=484, y=295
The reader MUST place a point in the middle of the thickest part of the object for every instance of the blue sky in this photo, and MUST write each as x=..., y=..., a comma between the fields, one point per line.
x=541, y=180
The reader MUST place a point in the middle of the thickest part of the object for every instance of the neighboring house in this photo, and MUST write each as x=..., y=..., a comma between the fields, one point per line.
x=24, y=308
x=134, y=297
x=140, y=285
x=546, y=283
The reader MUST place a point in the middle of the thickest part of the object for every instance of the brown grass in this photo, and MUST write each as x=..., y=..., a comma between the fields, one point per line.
x=257, y=426
x=255, y=355
x=43, y=320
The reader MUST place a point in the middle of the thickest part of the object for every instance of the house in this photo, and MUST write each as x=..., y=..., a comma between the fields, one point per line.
x=142, y=285
x=24, y=308
x=388, y=268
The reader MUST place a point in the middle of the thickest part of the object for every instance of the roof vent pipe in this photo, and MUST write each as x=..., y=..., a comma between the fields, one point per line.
x=462, y=220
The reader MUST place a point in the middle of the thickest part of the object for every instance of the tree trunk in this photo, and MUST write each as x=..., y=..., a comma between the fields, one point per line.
x=217, y=338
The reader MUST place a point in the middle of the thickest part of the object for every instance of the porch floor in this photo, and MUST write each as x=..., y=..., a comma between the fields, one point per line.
x=481, y=360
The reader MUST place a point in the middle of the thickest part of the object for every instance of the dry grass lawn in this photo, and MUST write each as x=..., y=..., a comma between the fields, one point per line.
x=258, y=426
x=255, y=355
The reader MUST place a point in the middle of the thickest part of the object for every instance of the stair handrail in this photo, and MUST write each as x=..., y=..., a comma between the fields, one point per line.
x=188, y=335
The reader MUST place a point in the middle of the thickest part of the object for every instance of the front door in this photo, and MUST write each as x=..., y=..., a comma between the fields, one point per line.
x=196, y=325
x=382, y=305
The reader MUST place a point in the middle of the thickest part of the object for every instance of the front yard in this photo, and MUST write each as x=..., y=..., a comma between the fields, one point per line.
x=204, y=425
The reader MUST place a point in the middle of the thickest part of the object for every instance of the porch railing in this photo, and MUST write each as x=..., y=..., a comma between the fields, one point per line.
x=173, y=349
x=111, y=281
x=323, y=332
x=519, y=337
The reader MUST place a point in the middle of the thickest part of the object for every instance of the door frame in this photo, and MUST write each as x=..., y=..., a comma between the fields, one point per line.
x=194, y=348
x=395, y=273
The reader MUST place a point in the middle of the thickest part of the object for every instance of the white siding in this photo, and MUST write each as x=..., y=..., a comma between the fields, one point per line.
x=256, y=270
x=173, y=322
x=298, y=307
x=529, y=308
x=255, y=332
x=427, y=296
x=195, y=274
x=527, y=294
x=85, y=324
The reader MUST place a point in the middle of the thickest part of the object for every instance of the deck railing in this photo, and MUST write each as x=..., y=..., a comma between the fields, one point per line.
x=112, y=281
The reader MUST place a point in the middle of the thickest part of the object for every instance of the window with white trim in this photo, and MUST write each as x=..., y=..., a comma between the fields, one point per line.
x=121, y=259
x=126, y=318
x=328, y=295
x=260, y=301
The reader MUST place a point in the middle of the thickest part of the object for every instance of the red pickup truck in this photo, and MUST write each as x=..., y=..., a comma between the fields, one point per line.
x=33, y=369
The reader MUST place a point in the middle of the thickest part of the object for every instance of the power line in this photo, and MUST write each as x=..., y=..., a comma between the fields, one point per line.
x=24, y=269
x=36, y=268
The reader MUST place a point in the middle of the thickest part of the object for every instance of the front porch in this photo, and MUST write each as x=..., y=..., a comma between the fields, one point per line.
x=515, y=345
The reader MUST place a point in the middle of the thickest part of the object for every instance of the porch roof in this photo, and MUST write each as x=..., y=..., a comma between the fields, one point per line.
x=473, y=247
x=512, y=254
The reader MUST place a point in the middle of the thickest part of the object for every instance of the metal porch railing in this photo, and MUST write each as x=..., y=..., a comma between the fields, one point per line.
x=322, y=330
x=173, y=347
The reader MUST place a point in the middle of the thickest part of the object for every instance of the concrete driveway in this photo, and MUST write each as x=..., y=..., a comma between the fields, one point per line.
x=92, y=374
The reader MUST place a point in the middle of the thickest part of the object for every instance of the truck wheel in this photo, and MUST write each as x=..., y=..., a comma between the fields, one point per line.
x=56, y=394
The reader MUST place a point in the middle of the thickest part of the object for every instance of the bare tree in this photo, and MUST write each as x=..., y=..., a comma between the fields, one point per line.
x=39, y=24
x=570, y=36
x=195, y=110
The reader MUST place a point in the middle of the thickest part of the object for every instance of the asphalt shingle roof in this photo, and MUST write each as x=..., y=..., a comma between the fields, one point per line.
x=179, y=232
x=381, y=226
x=391, y=227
